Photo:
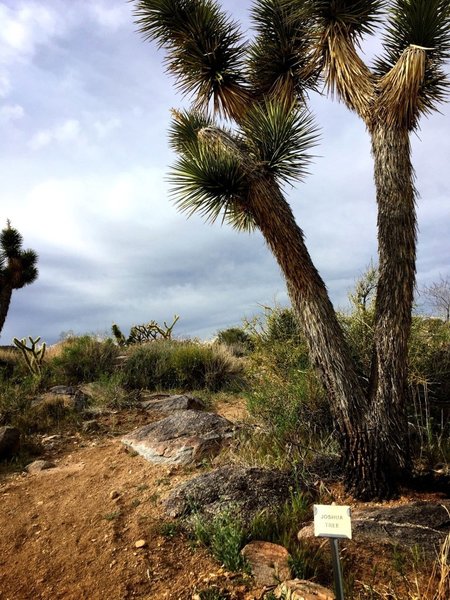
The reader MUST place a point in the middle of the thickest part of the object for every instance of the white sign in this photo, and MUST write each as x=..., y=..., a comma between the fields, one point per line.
x=332, y=521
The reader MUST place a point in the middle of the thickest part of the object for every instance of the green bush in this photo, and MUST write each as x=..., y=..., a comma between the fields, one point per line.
x=82, y=359
x=168, y=364
x=224, y=535
x=236, y=339
x=293, y=411
x=18, y=407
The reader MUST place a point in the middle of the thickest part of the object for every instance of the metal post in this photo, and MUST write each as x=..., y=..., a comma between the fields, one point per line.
x=338, y=582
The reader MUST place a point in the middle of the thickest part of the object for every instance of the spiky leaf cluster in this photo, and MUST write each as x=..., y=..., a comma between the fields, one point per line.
x=280, y=136
x=204, y=47
x=426, y=24
x=17, y=266
x=208, y=178
x=280, y=62
x=214, y=173
x=356, y=17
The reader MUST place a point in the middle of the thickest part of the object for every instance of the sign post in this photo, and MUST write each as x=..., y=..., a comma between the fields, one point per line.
x=334, y=522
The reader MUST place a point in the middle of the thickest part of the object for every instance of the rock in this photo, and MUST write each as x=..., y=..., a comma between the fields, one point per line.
x=140, y=544
x=183, y=438
x=248, y=490
x=65, y=390
x=300, y=589
x=114, y=494
x=9, y=441
x=39, y=465
x=269, y=562
x=422, y=524
x=167, y=403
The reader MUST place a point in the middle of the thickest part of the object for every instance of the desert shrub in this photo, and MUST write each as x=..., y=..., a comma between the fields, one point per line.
x=224, y=535
x=293, y=411
x=82, y=359
x=108, y=392
x=236, y=339
x=19, y=407
x=168, y=364
x=10, y=362
x=279, y=345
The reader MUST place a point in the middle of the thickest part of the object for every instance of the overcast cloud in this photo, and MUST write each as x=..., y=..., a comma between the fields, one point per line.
x=84, y=113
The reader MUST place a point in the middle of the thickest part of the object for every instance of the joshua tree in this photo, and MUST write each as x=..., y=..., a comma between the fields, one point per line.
x=17, y=267
x=239, y=173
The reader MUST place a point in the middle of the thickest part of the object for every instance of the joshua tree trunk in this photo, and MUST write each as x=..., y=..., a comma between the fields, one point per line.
x=326, y=341
x=5, y=299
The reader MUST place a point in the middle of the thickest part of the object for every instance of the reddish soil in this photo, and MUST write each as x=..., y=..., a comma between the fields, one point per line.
x=70, y=532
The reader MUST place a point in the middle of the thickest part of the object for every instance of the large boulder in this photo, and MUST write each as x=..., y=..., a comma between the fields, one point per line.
x=247, y=490
x=9, y=441
x=422, y=524
x=169, y=403
x=183, y=438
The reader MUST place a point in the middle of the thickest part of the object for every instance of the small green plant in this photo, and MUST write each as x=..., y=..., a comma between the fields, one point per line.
x=213, y=593
x=170, y=529
x=224, y=535
x=33, y=354
x=112, y=515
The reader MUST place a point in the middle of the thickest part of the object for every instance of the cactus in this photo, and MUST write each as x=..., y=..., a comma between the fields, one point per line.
x=33, y=355
x=146, y=332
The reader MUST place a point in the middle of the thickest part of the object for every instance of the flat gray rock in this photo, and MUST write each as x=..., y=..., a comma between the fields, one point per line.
x=248, y=490
x=422, y=524
x=167, y=403
x=183, y=438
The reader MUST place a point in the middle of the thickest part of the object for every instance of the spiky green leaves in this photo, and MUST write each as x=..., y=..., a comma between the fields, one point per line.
x=279, y=137
x=418, y=27
x=356, y=17
x=216, y=169
x=204, y=49
x=17, y=266
x=10, y=242
x=280, y=61
x=209, y=177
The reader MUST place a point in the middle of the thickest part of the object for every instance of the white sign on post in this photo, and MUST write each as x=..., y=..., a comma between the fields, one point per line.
x=332, y=521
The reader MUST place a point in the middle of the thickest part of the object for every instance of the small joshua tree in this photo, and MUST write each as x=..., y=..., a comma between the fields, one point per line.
x=17, y=267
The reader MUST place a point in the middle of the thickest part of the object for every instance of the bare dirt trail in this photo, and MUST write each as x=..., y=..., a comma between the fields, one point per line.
x=70, y=532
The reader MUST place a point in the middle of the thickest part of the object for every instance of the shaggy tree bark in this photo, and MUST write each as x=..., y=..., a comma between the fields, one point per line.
x=5, y=299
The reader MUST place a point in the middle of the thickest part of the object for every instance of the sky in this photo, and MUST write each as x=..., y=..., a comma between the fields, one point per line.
x=84, y=159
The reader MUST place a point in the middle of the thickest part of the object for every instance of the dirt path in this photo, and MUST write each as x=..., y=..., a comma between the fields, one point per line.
x=70, y=532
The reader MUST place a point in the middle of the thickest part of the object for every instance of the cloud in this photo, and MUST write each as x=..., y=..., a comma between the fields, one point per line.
x=25, y=27
x=107, y=126
x=11, y=112
x=67, y=132
x=5, y=85
x=110, y=17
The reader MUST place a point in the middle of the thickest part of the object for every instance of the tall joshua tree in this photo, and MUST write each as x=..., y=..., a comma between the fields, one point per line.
x=17, y=267
x=239, y=173
x=406, y=82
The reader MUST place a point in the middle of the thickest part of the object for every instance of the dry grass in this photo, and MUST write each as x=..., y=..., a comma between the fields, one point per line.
x=416, y=587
